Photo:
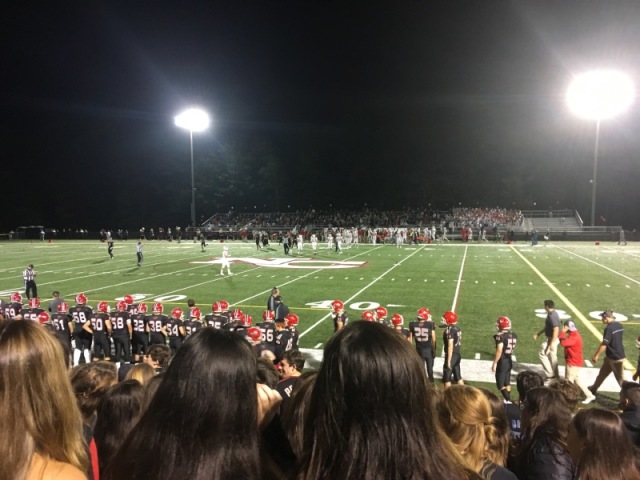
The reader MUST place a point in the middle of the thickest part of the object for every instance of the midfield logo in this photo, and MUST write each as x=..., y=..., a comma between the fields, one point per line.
x=294, y=263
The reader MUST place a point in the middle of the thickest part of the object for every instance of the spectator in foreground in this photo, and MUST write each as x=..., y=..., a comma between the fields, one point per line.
x=630, y=406
x=525, y=381
x=215, y=435
x=600, y=446
x=41, y=435
x=358, y=426
x=465, y=415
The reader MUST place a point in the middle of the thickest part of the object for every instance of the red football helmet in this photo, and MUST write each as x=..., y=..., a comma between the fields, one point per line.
x=216, y=307
x=63, y=307
x=236, y=314
x=81, y=299
x=34, y=302
x=121, y=306
x=292, y=320
x=254, y=334
x=128, y=299
x=196, y=313
x=424, y=314
x=337, y=305
x=103, y=307
x=142, y=308
x=368, y=316
x=450, y=318
x=397, y=320
x=43, y=317
x=504, y=323
x=176, y=313
x=16, y=297
x=247, y=320
x=381, y=312
x=158, y=308
x=268, y=316
x=224, y=305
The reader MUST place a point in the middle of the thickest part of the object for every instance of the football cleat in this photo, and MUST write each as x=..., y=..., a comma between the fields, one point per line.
x=504, y=323
x=424, y=314
x=397, y=320
x=15, y=297
x=292, y=320
x=34, y=302
x=195, y=313
x=81, y=299
x=176, y=313
x=43, y=317
x=103, y=307
x=450, y=318
x=368, y=316
x=63, y=307
x=337, y=305
x=158, y=308
x=381, y=312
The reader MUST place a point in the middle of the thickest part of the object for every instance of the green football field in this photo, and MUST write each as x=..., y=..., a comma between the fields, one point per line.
x=480, y=282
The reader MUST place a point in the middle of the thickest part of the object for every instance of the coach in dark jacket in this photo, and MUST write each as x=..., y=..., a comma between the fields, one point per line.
x=281, y=309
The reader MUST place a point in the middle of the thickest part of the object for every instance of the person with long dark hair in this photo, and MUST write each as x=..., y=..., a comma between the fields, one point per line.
x=203, y=422
x=370, y=414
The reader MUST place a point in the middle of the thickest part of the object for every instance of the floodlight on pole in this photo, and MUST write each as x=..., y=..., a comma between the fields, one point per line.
x=599, y=95
x=194, y=120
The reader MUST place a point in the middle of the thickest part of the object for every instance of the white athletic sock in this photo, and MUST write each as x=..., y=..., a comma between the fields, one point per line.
x=76, y=357
x=87, y=356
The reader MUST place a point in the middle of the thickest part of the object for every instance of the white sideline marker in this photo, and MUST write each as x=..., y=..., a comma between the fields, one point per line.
x=477, y=356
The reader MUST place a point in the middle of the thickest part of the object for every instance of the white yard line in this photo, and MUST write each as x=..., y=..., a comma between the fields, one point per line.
x=302, y=334
x=455, y=296
x=594, y=331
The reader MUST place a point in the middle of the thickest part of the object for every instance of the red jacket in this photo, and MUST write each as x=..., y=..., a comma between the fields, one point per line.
x=572, y=343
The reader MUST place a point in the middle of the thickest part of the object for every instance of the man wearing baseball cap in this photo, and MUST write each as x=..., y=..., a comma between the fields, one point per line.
x=571, y=340
x=614, y=351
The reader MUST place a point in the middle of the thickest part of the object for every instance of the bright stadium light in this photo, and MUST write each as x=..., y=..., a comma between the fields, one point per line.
x=194, y=120
x=599, y=95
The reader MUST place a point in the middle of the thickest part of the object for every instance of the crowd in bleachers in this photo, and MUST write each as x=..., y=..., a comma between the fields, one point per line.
x=216, y=396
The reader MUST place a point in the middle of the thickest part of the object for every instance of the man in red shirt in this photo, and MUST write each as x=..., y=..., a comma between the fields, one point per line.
x=571, y=340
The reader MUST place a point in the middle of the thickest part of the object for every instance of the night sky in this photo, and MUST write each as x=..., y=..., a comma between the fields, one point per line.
x=315, y=103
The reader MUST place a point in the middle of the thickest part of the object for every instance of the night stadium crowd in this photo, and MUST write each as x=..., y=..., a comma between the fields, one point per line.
x=135, y=391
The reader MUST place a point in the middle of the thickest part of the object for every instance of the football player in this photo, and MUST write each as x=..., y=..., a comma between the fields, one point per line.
x=13, y=309
x=225, y=261
x=122, y=331
x=81, y=313
x=63, y=326
x=340, y=317
x=215, y=318
x=314, y=243
x=423, y=331
x=284, y=341
x=381, y=316
x=194, y=323
x=452, y=336
x=175, y=330
x=397, y=321
x=157, y=323
x=140, y=327
x=292, y=325
x=502, y=361
x=235, y=322
x=368, y=316
x=268, y=330
x=99, y=325
x=33, y=311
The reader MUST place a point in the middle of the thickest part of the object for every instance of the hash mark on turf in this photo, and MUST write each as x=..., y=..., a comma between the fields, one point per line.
x=477, y=356
x=494, y=282
x=318, y=345
x=607, y=285
x=587, y=285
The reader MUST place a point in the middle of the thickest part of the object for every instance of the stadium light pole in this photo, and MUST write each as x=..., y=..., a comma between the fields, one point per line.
x=599, y=95
x=194, y=120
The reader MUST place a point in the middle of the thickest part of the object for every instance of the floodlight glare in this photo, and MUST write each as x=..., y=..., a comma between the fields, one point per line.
x=600, y=94
x=193, y=119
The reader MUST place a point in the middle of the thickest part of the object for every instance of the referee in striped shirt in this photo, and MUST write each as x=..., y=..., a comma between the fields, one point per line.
x=30, y=287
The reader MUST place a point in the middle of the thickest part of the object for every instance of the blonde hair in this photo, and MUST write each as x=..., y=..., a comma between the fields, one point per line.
x=38, y=412
x=465, y=415
x=142, y=372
